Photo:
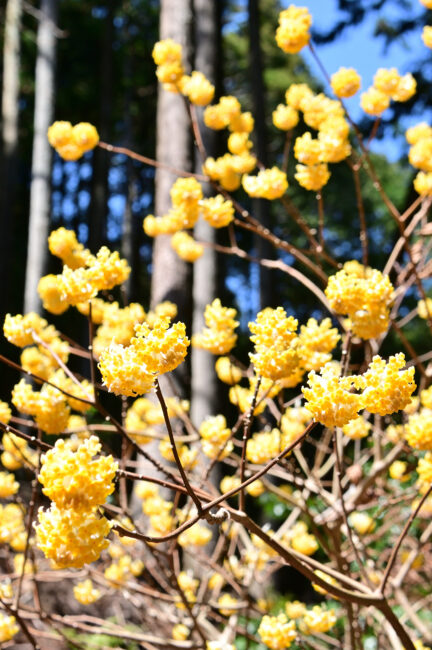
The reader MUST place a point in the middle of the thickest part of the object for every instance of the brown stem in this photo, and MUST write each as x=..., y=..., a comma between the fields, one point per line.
x=247, y=423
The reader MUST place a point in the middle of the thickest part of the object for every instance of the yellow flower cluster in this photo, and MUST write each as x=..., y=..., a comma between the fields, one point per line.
x=277, y=632
x=293, y=423
x=227, y=114
x=144, y=414
x=268, y=184
x=63, y=244
x=197, y=88
x=71, y=539
x=264, y=446
x=365, y=295
x=5, y=412
x=197, y=535
x=117, y=324
x=186, y=195
x=71, y=533
x=167, y=55
x=362, y=522
x=85, y=593
x=357, y=428
x=132, y=370
x=72, y=142
x=8, y=485
x=285, y=117
x=275, y=338
x=293, y=32
x=16, y=452
x=48, y=406
x=397, y=471
x=218, y=336
x=419, y=137
x=345, y=82
x=388, y=84
x=427, y=35
x=316, y=341
x=8, y=627
x=217, y=211
x=228, y=372
x=12, y=529
x=188, y=457
x=228, y=169
x=424, y=470
x=186, y=247
x=80, y=390
x=318, y=620
x=418, y=430
x=386, y=387
x=76, y=479
x=215, y=437
x=300, y=539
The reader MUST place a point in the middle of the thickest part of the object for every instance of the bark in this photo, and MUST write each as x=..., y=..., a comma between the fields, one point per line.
x=203, y=384
x=40, y=190
x=99, y=199
x=170, y=275
x=261, y=207
x=10, y=115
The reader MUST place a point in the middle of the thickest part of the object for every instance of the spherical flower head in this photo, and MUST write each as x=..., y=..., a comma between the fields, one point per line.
x=166, y=51
x=333, y=148
x=51, y=410
x=218, y=337
x=418, y=430
x=423, y=183
x=239, y=143
x=374, y=101
x=285, y=117
x=123, y=372
x=85, y=593
x=274, y=336
x=8, y=485
x=5, y=412
x=241, y=122
x=336, y=126
x=264, y=446
x=427, y=36
x=186, y=192
x=362, y=522
x=197, y=88
x=162, y=348
x=227, y=371
x=64, y=244
x=76, y=286
x=293, y=32
x=8, y=627
x=418, y=132
x=424, y=470
x=398, y=471
x=19, y=329
x=329, y=398
x=345, y=82
x=217, y=211
x=387, y=80
x=387, y=388
x=405, y=89
x=420, y=154
x=85, y=136
x=214, y=118
x=296, y=94
x=186, y=247
x=312, y=177
x=316, y=342
x=107, y=270
x=268, y=184
x=59, y=134
x=277, y=632
x=307, y=150
x=71, y=539
x=75, y=478
x=197, y=535
x=357, y=428
x=318, y=620
x=319, y=108
x=304, y=543
x=214, y=429
x=70, y=152
x=51, y=295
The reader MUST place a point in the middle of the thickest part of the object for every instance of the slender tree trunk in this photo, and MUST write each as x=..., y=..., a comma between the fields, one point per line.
x=40, y=191
x=203, y=386
x=261, y=207
x=10, y=114
x=98, y=206
x=171, y=277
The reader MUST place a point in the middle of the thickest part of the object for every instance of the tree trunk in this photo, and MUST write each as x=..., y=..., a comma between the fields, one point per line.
x=98, y=206
x=203, y=386
x=40, y=199
x=10, y=113
x=171, y=277
x=261, y=207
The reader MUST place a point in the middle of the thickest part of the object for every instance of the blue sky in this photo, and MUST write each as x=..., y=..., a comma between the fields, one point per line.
x=358, y=48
